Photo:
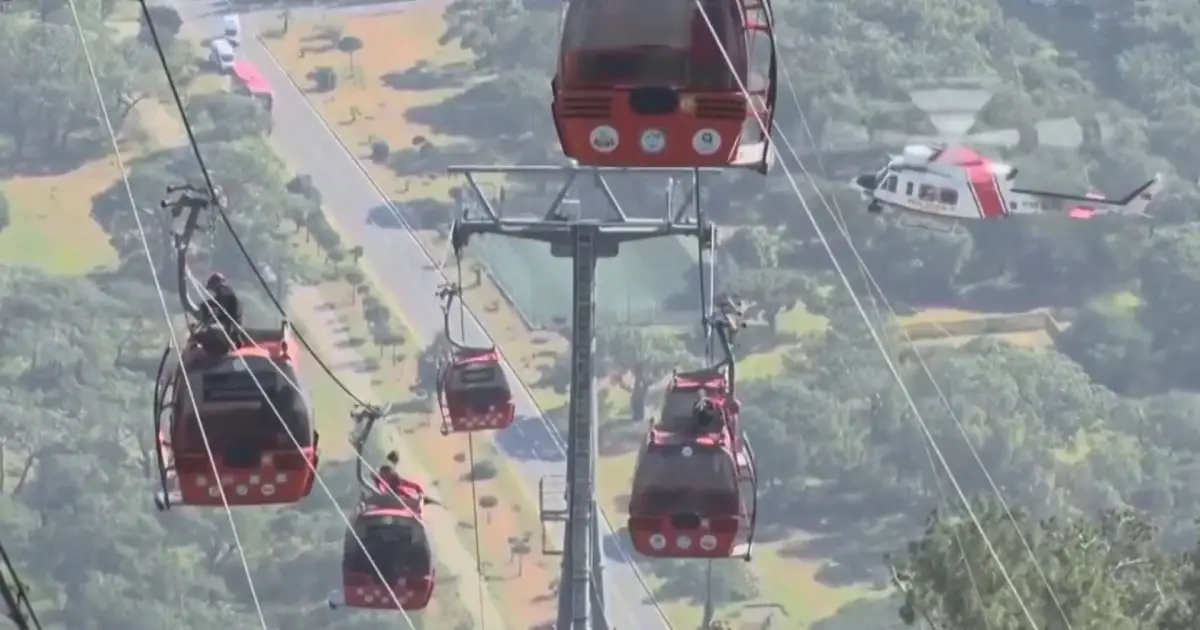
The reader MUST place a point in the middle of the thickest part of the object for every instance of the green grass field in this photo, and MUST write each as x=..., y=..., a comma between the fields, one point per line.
x=51, y=226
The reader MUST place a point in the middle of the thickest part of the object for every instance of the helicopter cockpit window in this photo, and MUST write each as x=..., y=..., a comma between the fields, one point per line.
x=889, y=184
x=948, y=196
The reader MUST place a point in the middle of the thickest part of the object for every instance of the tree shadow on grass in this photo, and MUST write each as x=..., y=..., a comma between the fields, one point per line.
x=51, y=162
x=420, y=77
x=854, y=554
x=486, y=113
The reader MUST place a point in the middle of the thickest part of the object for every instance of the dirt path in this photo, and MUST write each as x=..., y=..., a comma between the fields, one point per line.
x=328, y=332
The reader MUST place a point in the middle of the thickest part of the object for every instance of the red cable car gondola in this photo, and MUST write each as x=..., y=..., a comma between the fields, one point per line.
x=647, y=85
x=694, y=487
x=241, y=387
x=387, y=559
x=473, y=391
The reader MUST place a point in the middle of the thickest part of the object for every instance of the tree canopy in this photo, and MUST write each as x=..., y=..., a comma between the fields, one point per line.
x=1088, y=438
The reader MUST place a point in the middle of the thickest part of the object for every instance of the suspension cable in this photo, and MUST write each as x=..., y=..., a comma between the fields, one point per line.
x=215, y=196
x=462, y=333
x=174, y=341
x=839, y=217
x=647, y=596
x=362, y=461
x=891, y=365
x=241, y=330
x=15, y=597
x=296, y=442
x=875, y=289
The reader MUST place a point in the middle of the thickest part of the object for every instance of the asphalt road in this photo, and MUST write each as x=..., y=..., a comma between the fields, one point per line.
x=410, y=274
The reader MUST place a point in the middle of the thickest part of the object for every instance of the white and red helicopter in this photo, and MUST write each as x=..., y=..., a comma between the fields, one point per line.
x=933, y=187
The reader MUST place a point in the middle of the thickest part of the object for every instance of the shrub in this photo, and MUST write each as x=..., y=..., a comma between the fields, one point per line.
x=325, y=78
x=379, y=151
x=483, y=471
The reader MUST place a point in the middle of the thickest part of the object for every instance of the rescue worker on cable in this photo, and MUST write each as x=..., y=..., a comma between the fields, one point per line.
x=222, y=306
x=220, y=314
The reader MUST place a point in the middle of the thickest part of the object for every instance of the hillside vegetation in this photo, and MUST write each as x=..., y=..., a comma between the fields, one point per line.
x=981, y=484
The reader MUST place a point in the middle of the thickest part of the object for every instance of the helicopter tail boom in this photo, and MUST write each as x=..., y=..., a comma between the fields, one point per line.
x=1087, y=206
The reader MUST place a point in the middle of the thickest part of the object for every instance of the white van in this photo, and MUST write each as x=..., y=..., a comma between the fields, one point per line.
x=222, y=56
x=232, y=29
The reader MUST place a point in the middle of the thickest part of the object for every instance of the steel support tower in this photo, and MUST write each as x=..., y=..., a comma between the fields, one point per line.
x=581, y=603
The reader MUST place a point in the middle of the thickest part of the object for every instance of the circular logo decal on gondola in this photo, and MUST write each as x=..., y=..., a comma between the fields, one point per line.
x=706, y=141
x=654, y=141
x=604, y=139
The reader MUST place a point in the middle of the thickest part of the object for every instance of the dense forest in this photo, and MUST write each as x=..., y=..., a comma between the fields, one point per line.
x=1091, y=441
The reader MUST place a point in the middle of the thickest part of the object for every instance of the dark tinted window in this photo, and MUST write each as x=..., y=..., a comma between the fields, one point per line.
x=257, y=427
x=476, y=374
x=235, y=379
x=663, y=43
x=680, y=403
x=397, y=544
x=679, y=409
x=669, y=480
x=597, y=24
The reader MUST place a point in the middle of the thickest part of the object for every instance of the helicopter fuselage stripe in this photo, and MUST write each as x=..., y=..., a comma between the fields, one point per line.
x=986, y=191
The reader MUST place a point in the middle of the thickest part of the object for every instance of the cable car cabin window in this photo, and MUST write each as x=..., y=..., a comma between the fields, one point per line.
x=948, y=196
x=389, y=501
x=669, y=482
x=710, y=70
x=679, y=410
x=234, y=411
x=478, y=384
x=397, y=544
x=635, y=43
